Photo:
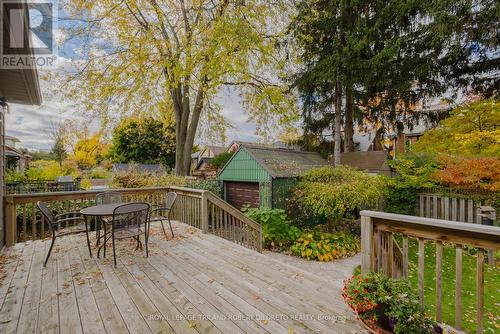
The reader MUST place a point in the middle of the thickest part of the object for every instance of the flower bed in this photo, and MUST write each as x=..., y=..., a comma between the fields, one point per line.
x=278, y=234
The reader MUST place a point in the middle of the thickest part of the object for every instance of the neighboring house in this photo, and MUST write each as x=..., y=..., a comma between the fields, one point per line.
x=235, y=145
x=373, y=162
x=143, y=168
x=211, y=151
x=261, y=176
x=16, y=86
x=203, y=169
x=200, y=166
x=194, y=159
x=15, y=158
x=395, y=142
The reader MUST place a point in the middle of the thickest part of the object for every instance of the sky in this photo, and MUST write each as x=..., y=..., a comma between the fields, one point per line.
x=32, y=124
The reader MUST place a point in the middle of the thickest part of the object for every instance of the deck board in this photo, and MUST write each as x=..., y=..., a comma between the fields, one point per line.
x=194, y=283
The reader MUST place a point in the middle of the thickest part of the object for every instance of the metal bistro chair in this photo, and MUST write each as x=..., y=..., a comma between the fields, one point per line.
x=55, y=221
x=107, y=197
x=166, y=209
x=127, y=222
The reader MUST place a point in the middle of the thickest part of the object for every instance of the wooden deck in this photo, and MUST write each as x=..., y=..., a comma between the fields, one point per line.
x=194, y=283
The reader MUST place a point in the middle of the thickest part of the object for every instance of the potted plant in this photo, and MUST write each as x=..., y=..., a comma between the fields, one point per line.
x=385, y=305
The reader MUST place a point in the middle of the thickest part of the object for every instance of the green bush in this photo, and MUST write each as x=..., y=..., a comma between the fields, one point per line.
x=99, y=173
x=220, y=160
x=414, y=174
x=325, y=247
x=212, y=185
x=388, y=303
x=330, y=194
x=277, y=233
x=42, y=170
x=12, y=176
x=400, y=199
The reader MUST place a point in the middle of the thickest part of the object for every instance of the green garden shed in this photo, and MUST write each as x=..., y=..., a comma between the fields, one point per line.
x=261, y=176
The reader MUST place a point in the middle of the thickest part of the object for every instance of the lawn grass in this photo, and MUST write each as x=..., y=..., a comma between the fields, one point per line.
x=469, y=315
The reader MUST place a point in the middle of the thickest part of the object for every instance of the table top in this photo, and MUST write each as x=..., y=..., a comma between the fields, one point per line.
x=103, y=209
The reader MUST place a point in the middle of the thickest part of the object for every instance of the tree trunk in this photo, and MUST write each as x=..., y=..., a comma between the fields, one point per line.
x=193, y=127
x=349, y=123
x=180, y=131
x=337, y=120
x=186, y=126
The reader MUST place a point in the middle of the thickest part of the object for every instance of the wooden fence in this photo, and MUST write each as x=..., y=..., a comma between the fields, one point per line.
x=377, y=235
x=448, y=208
x=198, y=208
x=41, y=186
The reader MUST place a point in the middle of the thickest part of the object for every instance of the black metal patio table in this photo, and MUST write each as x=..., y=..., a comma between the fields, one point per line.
x=102, y=211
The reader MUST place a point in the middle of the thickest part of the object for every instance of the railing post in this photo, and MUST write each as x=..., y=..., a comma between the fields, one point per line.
x=259, y=242
x=10, y=222
x=204, y=212
x=366, y=244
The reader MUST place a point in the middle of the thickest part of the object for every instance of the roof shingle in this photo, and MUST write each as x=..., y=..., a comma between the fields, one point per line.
x=280, y=162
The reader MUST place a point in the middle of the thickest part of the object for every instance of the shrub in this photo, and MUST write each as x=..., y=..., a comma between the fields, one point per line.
x=477, y=174
x=212, y=185
x=277, y=233
x=134, y=179
x=471, y=130
x=99, y=173
x=414, y=173
x=391, y=304
x=220, y=160
x=331, y=194
x=85, y=183
x=12, y=176
x=325, y=246
x=42, y=170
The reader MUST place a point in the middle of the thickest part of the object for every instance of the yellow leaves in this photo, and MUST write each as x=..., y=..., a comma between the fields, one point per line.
x=89, y=151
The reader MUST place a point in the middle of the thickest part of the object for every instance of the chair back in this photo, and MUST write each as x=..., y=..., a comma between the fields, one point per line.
x=108, y=197
x=170, y=200
x=46, y=212
x=130, y=214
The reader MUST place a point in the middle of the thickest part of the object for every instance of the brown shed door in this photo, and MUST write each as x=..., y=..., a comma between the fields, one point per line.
x=239, y=194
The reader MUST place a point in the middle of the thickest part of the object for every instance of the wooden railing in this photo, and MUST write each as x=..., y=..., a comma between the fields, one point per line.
x=198, y=208
x=377, y=234
x=230, y=223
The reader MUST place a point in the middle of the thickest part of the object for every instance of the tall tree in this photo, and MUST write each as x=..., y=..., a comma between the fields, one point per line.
x=58, y=134
x=89, y=151
x=174, y=56
x=143, y=140
x=471, y=130
x=390, y=55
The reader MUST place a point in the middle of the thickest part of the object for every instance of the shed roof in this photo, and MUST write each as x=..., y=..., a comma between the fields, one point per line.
x=371, y=161
x=282, y=163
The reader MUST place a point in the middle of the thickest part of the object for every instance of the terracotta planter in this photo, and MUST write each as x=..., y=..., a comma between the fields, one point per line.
x=375, y=329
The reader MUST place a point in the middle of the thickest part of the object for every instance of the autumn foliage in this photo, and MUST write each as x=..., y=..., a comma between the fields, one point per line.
x=479, y=173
